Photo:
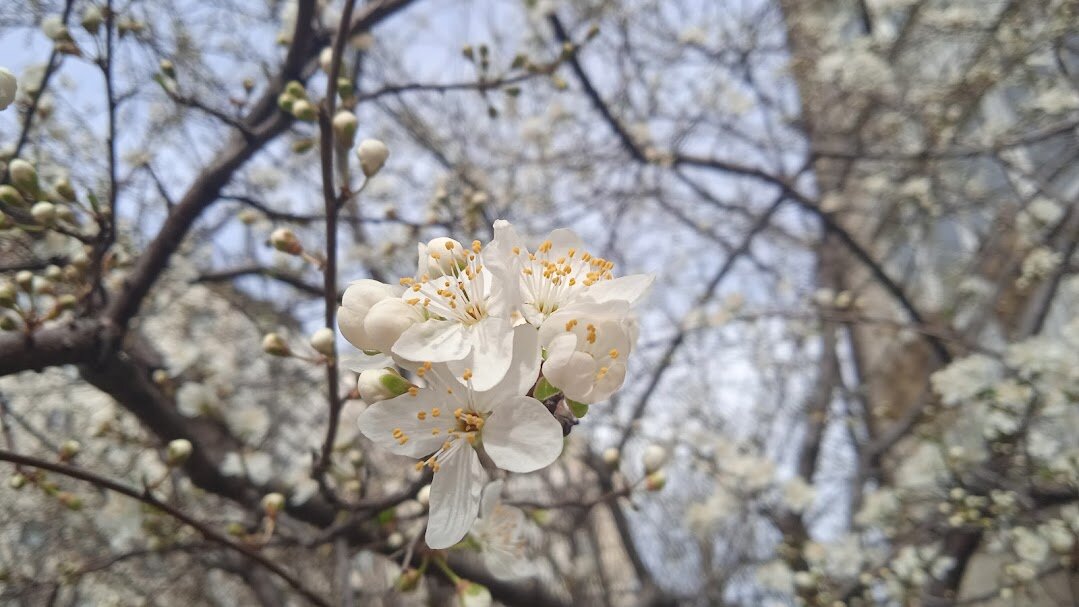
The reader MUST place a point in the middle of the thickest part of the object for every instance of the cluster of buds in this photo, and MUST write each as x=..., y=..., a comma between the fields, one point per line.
x=294, y=101
x=654, y=460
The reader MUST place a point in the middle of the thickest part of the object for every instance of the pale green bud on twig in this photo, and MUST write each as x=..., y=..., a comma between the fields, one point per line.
x=274, y=345
x=177, y=452
x=323, y=341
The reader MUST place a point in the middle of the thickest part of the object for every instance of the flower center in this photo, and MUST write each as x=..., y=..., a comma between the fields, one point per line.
x=553, y=282
x=459, y=289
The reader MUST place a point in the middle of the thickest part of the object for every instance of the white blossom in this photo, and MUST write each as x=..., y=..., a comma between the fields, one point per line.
x=448, y=420
x=499, y=533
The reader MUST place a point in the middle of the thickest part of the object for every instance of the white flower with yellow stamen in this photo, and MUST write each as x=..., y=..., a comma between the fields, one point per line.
x=447, y=421
x=559, y=273
x=587, y=347
x=498, y=533
x=467, y=309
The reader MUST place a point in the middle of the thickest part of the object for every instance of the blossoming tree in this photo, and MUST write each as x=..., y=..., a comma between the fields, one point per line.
x=603, y=302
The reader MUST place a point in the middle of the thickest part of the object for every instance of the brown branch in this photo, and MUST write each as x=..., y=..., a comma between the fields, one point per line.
x=329, y=271
x=253, y=270
x=147, y=497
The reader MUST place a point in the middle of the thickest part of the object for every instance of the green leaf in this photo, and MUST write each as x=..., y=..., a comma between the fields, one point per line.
x=579, y=409
x=544, y=390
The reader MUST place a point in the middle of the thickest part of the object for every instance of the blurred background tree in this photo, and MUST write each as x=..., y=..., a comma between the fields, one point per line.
x=857, y=368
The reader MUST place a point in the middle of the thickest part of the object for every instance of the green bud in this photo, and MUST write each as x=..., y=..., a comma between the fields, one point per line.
x=408, y=580
x=43, y=212
x=345, y=126
x=285, y=101
x=7, y=295
x=24, y=177
x=295, y=90
x=17, y=481
x=7, y=323
x=66, y=301
x=10, y=196
x=167, y=68
x=302, y=109
x=64, y=188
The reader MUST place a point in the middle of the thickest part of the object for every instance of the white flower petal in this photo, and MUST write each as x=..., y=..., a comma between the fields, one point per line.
x=455, y=497
x=523, y=368
x=492, y=342
x=625, y=288
x=380, y=421
x=568, y=370
x=433, y=340
x=491, y=495
x=522, y=435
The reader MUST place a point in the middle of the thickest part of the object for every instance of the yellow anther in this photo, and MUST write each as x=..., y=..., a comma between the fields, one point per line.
x=572, y=252
x=613, y=353
x=416, y=288
x=449, y=245
x=413, y=391
x=458, y=412
x=402, y=440
x=422, y=415
x=435, y=255
x=406, y=281
x=571, y=324
x=467, y=375
x=419, y=465
x=435, y=412
x=435, y=432
x=516, y=250
x=602, y=372
x=398, y=433
x=476, y=246
x=591, y=334
x=413, y=301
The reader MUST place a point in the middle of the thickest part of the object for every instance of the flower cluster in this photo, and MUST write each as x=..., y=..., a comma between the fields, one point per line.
x=490, y=340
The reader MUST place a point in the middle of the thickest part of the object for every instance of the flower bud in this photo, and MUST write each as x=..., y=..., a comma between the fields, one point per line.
x=323, y=341
x=80, y=260
x=65, y=214
x=25, y=280
x=43, y=212
x=274, y=345
x=611, y=455
x=67, y=301
x=64, y=189
x=302, y=109
x=356, y=303
x=8, y=294
x=17, y=481
x=375, y=385
x=8, y=87
x=284, y=240
x=408, y=580
x=345, y=126
x=654, y=458
x=285, y=101
x=53, y=272
x=395, y=540
x=168, y=68
x=7, y=323
x=373, y=154
x=295, y=90
x=471, y=594
x=69, y=500
x=656, y=481
x=423, y=496
x=177, y=452
x=387, y=320
x=54, y=28
x=92, y=18
x=325, y=59
x=272, y=503
x=69, y=449
x=11, y=196
x=24, y=177
x=355, y=458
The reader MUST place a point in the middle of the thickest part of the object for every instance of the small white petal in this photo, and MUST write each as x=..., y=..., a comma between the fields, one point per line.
x=455, y=497
x=522, y=435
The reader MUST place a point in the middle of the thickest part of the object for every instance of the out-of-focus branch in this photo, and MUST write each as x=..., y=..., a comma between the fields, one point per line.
x=147, y=497
x=253, y=270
